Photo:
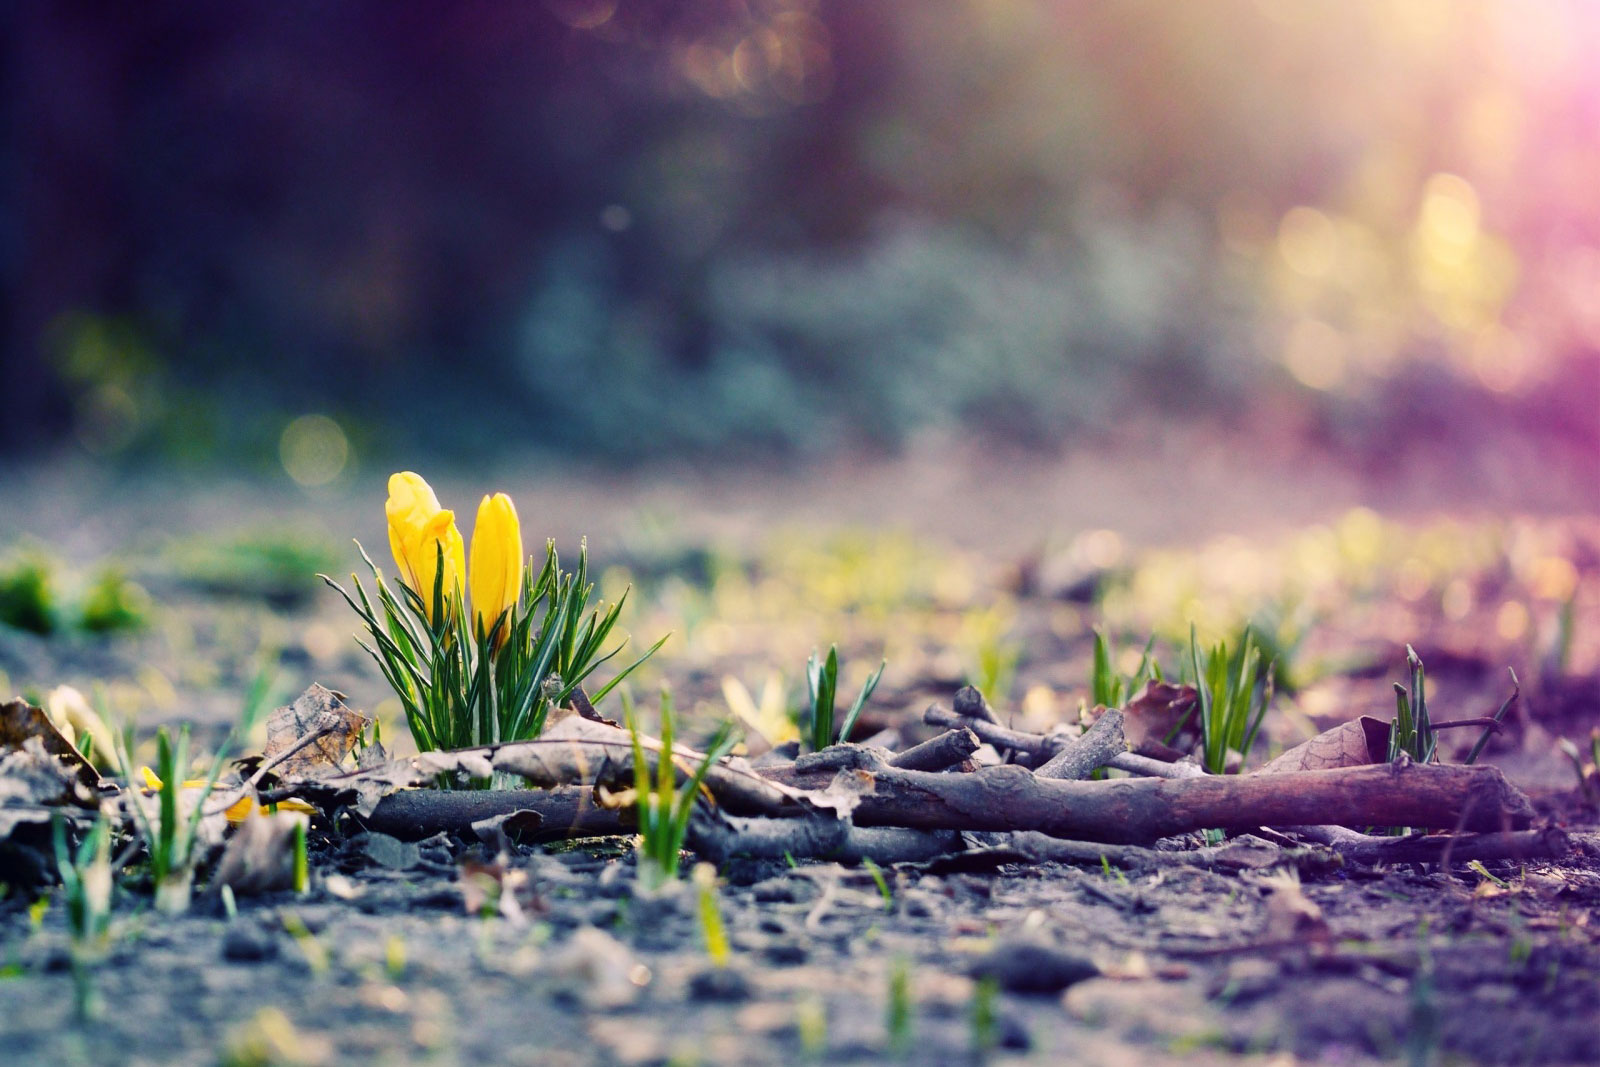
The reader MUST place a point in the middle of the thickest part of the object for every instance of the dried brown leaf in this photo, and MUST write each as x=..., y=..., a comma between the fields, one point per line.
x=318, y=708
x=259, y=857
x=1352, y=744
x=1161, y=711
x=31, y=775
x=20, y=721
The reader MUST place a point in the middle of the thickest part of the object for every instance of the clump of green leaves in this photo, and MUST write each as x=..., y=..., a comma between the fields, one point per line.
x=31, y=599
x=1411, y=731
x=461, y=687
x=1233, y=697
x=663, y=807
x=171, y=836
x=275, y=565
x=1108, y=687
x=28, y=596
x=822, y=684
x=112, y=603
x=86, y=884
x=1280, y=630
x=993, y=652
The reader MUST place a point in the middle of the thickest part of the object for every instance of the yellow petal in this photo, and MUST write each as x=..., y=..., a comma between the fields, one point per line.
x=495, y=576
x=151, y=782
x=411, y=506
x=440, y=530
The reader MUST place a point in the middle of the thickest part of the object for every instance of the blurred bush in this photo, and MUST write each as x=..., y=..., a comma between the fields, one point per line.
x=639, y=226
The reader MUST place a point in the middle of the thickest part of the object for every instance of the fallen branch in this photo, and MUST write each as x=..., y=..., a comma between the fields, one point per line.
x=1133, y=810
x=719, y=837
x=1146, y=767
x=1550, y=843
x=563, y=813
x=1089, y=751
x=945, y=750
x=994, y=734
x=1239, y=854
x=970, y=704
x=576, y=751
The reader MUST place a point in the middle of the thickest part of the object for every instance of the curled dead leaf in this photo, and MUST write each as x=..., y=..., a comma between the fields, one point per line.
x=21, y=721
x=317, y=709
x=1356, y=743
x=1163, y=711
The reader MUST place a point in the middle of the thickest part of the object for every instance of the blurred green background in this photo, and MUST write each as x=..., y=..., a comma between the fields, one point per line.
x=296, y=236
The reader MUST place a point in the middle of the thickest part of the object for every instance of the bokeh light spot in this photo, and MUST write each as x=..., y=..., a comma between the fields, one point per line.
x=314, y=450
x=1308, y=241
x=1499, y=359
x=1511, y=621
x=1456, y=602
x=1449, y=219
x=1315, y=354
x=1554, y=578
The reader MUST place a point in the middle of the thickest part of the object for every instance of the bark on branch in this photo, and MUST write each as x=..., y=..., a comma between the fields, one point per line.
x=1134, y=810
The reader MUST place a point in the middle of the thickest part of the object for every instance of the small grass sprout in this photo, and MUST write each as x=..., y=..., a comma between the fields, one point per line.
x=663, y=807
x=86, y=885
x=811, y=1021
x=1477, y=867
x=170, y=838
x=715, y=934
x=1499, y=717
x=822, y=683
x=1588, y=774
x=771, y=716
x=313, y=950
x=993, y=652
x=1108, y=687
x=897, y=1014
x=985, y=1018
x=491, y=674
x=882, y=883
x=1234, y=696
x=1411, y=731
x=301, y=881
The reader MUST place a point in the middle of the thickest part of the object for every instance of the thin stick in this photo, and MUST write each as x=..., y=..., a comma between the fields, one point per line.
x=1096, y=747
x=945, y=750
x=238, y=793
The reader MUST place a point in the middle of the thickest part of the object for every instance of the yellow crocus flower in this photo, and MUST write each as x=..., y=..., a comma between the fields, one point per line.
x=495, y=576
x=417, y=527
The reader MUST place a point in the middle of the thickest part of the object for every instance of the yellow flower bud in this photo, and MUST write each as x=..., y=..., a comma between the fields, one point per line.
x=495, y=576
x=417, y=527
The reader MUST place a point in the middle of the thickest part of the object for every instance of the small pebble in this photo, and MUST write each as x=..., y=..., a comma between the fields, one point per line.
x=246, y=944
x=719, y=983
x=787, y=953
x=1033, y=967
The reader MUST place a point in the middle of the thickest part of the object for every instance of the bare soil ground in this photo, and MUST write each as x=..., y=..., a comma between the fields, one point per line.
x=381, y=962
